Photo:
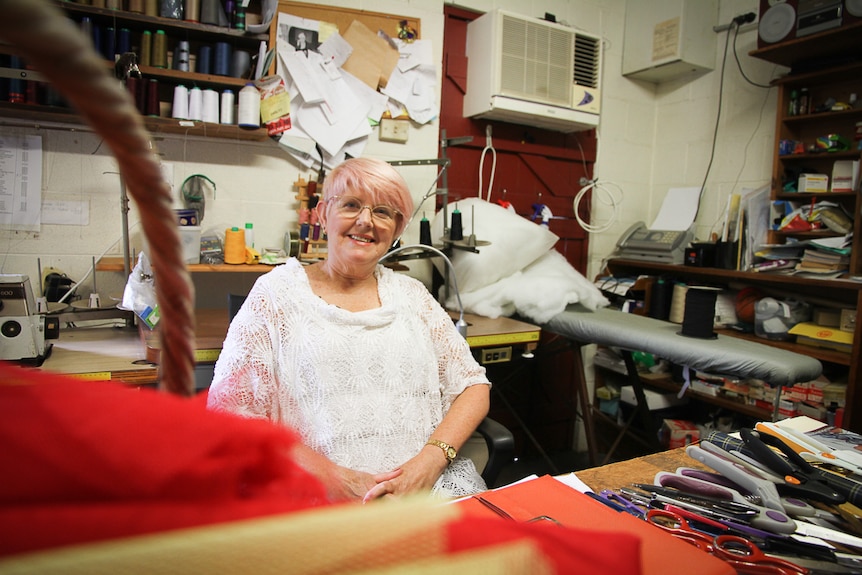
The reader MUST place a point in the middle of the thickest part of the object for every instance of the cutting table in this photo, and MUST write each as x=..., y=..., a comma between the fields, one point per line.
x=722, y=354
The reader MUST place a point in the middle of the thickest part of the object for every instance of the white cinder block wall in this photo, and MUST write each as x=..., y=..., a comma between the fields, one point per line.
x=651, y=137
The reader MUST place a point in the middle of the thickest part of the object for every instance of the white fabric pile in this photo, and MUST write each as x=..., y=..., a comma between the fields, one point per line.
x=519, y=272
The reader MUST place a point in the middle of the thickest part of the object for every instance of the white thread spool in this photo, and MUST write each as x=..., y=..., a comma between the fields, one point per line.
x=196, y=104
x=249, y=107
x=181, y=56
x=95, y=301
x=228, y=104
x=211, y=103
x=677, y=303
x=180, y=109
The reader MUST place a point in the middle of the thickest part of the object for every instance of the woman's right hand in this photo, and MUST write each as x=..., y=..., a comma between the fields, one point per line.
x=354, y=485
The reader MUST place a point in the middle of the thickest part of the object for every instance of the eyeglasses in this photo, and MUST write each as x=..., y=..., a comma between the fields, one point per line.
x=351, y=207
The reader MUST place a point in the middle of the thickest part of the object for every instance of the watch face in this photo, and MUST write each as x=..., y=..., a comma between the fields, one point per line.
x=451, y=453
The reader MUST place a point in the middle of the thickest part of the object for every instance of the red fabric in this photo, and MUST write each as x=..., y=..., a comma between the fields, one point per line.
x=88, y=460
x=569, y=550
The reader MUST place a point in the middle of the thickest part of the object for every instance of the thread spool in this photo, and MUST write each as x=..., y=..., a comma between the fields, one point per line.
x=192, y=10
x=240, y=63
x=699, y=317
x=146, y=55
x=456, y=231
x=113, y=5
x=133, y=85
x=248, y=115
x=227, y=114
x=136, y=6
x=181, y=56
x=677, y=303
x=151, y=7
x=109, y=43
x=660, y=299
x=234, y=246
x=210, y=108
x=210, y=12
x=180, y=108
x=153, y=106
x=204, y=61
x=196, y=104
x=425, y=231
x=98, y=3
x=124, y=41
x=160, y=49
x=16, y=85
x=222, y=59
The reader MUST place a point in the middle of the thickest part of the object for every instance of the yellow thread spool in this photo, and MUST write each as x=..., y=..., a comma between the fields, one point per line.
x=234, y=246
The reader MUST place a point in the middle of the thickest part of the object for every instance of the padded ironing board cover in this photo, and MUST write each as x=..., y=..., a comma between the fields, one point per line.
x=722, y=355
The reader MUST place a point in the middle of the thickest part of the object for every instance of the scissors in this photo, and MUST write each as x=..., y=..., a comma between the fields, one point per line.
x=740, y=553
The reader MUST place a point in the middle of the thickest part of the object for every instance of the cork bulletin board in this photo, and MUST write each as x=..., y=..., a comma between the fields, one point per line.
x=343, y=17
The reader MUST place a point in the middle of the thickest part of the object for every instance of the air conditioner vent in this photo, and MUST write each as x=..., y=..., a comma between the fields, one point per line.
x=529, y=71
x=587, y=50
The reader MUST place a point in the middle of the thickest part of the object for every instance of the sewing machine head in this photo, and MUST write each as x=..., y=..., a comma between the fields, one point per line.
x=22, y=328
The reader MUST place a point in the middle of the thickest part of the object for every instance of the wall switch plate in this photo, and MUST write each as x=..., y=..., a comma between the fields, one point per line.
x=392, y=130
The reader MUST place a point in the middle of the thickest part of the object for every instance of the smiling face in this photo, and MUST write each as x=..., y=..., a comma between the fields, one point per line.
x=357, y=241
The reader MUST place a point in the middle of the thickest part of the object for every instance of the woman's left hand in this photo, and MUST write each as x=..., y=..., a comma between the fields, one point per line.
x=417, y=475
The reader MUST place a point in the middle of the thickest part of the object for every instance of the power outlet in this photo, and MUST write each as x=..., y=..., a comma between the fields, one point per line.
x=392, y=130
x=496, y=354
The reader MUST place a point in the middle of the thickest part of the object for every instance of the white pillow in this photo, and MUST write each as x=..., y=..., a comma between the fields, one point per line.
x=538, y=292
x=516, y=242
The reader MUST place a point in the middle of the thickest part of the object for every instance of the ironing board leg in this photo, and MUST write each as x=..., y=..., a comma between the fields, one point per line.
x=579, y=376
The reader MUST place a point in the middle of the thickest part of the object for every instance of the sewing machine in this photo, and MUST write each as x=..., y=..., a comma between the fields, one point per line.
x=23, y=330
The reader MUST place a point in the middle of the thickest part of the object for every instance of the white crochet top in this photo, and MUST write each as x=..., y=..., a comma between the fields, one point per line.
x=366, y=389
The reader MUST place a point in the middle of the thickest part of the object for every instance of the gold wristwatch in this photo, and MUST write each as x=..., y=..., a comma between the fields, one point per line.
x=448, y=450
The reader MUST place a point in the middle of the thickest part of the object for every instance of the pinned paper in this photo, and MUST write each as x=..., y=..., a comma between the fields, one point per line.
x=373, y=59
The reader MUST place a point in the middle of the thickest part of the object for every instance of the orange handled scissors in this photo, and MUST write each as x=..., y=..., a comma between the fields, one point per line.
x=741, y=554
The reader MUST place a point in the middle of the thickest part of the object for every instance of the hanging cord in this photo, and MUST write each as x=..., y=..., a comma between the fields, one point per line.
x=489, y=147
x=608, y=193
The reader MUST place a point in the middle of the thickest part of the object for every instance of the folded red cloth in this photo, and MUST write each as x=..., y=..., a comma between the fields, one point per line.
x=88, y=460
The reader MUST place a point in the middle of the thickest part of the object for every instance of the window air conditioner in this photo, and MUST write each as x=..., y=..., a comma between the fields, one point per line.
x=524, y=70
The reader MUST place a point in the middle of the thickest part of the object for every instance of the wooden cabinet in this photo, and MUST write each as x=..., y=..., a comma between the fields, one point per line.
x=49, y=110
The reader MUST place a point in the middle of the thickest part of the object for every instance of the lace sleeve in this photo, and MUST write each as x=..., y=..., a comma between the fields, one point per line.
x=457, y=367
x=244, y=381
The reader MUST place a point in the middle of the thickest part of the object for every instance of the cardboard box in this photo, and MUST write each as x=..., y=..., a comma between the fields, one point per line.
x=678, y=433
x=813, y=183
x=655, y=400
x=827, y=317
x=809, y=333
x=847, y=322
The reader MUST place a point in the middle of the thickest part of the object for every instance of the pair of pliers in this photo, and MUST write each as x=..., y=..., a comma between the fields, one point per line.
x=800, y=477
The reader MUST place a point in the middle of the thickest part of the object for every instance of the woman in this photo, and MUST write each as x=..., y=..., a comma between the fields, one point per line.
x=361, y=361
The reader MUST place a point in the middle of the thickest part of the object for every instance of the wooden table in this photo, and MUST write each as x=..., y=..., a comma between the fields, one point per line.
x=637, y=470
x=105, y=353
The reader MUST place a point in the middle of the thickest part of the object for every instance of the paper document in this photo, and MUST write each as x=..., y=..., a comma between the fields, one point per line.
x=678, y=210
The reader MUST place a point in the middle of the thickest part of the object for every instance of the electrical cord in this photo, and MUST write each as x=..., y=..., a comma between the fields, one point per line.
x=489, y=147
x=605, y=194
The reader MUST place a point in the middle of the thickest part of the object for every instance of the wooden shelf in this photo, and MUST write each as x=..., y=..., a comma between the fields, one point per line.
x=837, y=45
x=665, y=382
x=840, y=291
x=115, y=264
x=43, y=116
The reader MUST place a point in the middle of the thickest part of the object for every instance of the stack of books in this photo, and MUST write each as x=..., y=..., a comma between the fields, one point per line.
x=823, y=261
x=826, y=256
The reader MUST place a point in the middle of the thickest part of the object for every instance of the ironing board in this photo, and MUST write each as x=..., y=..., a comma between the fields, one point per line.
x=720, y=355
